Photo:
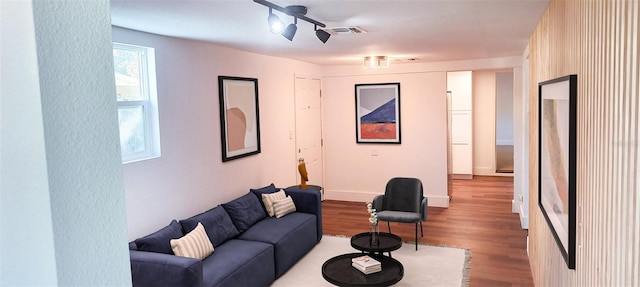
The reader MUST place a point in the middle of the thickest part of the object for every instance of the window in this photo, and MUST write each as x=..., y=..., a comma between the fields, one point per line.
x=135, y=75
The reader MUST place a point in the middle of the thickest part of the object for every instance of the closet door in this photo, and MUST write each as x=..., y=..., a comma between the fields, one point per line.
x=309, y=127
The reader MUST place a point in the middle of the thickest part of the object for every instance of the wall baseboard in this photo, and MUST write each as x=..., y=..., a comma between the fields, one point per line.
x=504, y=142
x=434, y=200
x=524, y=218
x=462, y=176
x=483, y=170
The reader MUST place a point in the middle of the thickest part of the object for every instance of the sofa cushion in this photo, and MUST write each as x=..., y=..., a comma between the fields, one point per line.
x=269, y=198
x=283, y=207
x=240, y=263
x=292, y=236
x=216, y=222
x=267, y=189
x=244, y=211
x=159, y=241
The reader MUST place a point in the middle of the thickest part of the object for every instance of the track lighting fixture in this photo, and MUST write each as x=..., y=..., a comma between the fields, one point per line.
x=290, y=31
x=297, y=12
x=275, y=24
x=322, y=34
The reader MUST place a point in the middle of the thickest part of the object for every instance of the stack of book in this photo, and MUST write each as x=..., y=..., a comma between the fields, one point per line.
x=366, y=264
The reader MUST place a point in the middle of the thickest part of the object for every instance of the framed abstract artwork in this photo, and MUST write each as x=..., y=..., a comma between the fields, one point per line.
x=557, y=161
x=239, y=117
x=378, y=113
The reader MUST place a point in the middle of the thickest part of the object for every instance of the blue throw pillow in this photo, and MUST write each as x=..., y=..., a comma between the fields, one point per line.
x=267, y=189
x=216, y=222
x=245, y=211
x=159, y=241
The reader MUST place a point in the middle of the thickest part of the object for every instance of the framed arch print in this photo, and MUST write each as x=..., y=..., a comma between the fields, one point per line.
x=239, y=117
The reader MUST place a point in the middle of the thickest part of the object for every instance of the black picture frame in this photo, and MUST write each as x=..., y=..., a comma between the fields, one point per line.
x=557, y=123
x=239, y=117
x=378, y=113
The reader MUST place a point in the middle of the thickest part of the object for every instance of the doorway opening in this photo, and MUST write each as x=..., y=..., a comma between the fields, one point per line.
x=504, y=122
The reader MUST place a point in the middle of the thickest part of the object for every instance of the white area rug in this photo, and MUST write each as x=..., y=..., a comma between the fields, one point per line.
x=429, y=266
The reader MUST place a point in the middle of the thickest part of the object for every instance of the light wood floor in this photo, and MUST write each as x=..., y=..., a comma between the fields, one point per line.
x=479, y=218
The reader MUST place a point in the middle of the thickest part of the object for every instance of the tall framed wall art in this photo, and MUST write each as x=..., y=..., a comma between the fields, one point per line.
x=557, y=161
x=239, y=117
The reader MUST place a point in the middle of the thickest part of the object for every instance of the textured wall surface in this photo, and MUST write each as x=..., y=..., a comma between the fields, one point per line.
x=598, y=41
x=73, y=41
x=24, y=190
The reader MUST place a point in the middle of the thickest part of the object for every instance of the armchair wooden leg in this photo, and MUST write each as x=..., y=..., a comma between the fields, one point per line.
x=421, y=233
x=389, y=226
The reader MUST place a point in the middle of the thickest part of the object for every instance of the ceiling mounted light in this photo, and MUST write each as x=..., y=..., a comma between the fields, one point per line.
x=375, y=62
x=290, y=31
x=322, y=34
x=275, y=25
x=297, y=12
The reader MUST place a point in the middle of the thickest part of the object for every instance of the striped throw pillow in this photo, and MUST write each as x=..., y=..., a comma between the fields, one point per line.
x=283, y=207
x=269, y=198
x=195, y=244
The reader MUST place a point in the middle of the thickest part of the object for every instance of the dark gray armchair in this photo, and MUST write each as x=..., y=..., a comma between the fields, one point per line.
x=402, y=202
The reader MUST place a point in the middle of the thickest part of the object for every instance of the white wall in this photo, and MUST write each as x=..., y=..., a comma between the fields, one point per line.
x=504, y=108
x=190, y=177
x=62, y=187
x=351, y=172
x=520, y=202
x=23, y=183
x=484, y=122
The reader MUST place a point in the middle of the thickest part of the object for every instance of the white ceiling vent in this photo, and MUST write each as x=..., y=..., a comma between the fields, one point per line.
x=345, y=30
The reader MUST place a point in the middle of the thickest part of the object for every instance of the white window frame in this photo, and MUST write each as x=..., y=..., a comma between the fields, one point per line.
x=149, y=105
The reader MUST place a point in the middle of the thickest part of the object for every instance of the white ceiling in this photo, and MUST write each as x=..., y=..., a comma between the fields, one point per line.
x=427, y=30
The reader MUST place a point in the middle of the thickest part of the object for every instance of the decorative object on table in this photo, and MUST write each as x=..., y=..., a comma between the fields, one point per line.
x=239, y=117
x=373, y=219
x=403, y=201
x=557, y=158
x=378, y=113
x=304, y=177
x=366, y=264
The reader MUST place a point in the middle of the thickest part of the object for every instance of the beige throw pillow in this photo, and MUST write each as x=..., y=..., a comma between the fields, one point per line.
x=283, y=207
x=195, y=244
x=269, y=198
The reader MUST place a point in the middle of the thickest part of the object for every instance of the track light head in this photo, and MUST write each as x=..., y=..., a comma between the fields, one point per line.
x=290, y=31
x=275, y=24
x=322, y=34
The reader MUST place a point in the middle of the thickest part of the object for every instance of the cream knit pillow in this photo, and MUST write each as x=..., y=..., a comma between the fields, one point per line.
x=269, y=198
x=195, y=244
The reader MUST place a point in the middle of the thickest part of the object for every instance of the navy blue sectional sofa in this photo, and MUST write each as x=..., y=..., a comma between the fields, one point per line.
x=250, y=248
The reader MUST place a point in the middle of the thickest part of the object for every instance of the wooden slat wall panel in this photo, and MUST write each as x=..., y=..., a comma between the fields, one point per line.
x=597, y=40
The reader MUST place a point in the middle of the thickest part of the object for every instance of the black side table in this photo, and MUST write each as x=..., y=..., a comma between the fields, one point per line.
x=387, y=242
x=338, y=271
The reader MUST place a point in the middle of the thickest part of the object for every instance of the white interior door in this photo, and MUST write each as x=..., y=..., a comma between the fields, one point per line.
x=309, y=127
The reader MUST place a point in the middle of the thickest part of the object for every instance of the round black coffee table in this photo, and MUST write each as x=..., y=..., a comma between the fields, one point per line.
x=338, y=271
x=387, y=242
